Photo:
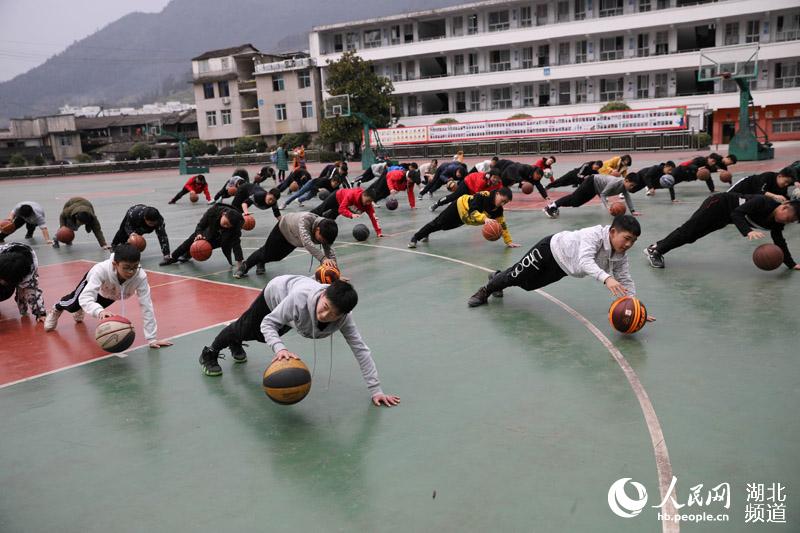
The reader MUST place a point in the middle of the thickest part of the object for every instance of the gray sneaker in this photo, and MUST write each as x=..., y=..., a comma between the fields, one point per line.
x=239, y=273
x=654, y=257
x=78, y=316
x=51, y=320
x=412, y=243
x=479, y=298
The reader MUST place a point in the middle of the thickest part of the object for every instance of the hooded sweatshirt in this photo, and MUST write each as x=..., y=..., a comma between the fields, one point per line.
x=81, y=205
x=298, y=229
x=607, y=185
x=293, y=301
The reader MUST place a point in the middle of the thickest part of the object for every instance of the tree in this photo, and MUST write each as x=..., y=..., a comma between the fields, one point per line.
x=38, y=160
x=196, y=148
x=17, y=160
x=140, y=151
x=83, y=158
x=244, y=145
x=615, y=106
x=370, y=94
x=211, y=149
x=519, y=116
x=446, y=120
x=293, y=140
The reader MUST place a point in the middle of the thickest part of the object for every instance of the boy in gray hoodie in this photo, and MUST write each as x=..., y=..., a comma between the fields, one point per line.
x=315, y=310
x=601, y=185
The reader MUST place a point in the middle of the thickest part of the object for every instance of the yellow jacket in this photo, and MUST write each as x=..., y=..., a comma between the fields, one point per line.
x=613, y=164
x=475, y=209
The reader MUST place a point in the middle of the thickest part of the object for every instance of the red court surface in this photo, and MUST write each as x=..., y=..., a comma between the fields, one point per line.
x=182, y=305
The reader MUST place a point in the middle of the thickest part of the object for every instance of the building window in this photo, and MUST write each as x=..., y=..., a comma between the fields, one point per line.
x=562, y=11
x=564, y=96
x=501, y=98
x=527, y=57
x=580, y=9
x=790, y=125
x=611, y=90
x=277, y=82
x=731, y=33
x=408, y=33
x=527, y=96
x=226, y=116
x=563, y=53
x=752, y=35
x=787, y=31
x=525, y=17
x=473, y=63
x=544, y=94
x=580, y=91
x=541, y=14
x=338, y=43
x=351, y=41
x=372, y=38
x=304, y=79
x=280, y=112
x=543, y=55
x=611, y=48
x=662, y=43
x=499, y=60
x=457, y=26
x=643, y=86
x=461, y=101
x=580, y=52
x=610, y=8
x=225, y=63
x=397, y=72
x=208, y=91
x=211, y=118
x=411, y=70
x=786, y=75
x=65, y=140
x=644, y=5
x=202, y=66
x=643, y=45
x=472, y=24
x=306, y=110
x=412, y=106
x=661, y=81
x=498, y=21
x=662, y=4
x=474, y=100
x=224, y=90
x=394, y=35
x=458, y=65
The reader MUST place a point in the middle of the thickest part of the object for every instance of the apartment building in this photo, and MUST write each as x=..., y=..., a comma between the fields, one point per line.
x=54, y=137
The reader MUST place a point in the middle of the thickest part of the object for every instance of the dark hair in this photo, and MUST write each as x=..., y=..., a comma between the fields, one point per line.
x=505, y=191
x=15, y=265
x=234, y=217
x=414, y=176
x=599, y=163
x=495, y=159
x=275, y=192
x=25, y=210
x=200, y=178
x=732, y=158
x=152, y=214
x=413, y=165
x=260, y=198
x=537, y=170
x=84, y=217
x=127, y=253
x=628, y=158
x=494, y=172
x=242, y=173
x=796, y=205
x=627, y=223
x=328, y=230
x=635, y=178
x=670, y=163
x=789, y=172
x=551, y=157
x=368, y=193
x=342, y=296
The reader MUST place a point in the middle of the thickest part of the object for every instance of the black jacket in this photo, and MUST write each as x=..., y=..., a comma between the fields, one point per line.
x=228, y=239
x=756, y=213
x=244, y=195
x=133, y=222
x=759, y=184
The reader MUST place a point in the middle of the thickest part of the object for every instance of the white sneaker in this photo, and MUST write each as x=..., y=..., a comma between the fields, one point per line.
x=51, y=320
x=282, y=206
x=78, y=315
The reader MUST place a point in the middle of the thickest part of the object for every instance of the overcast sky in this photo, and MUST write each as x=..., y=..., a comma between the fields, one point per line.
x=33, y=30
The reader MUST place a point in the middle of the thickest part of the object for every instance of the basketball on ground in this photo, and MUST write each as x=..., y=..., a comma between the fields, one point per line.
x=294, y=187
x=492, y=230
x=115, y=334
x=287, y=382
x=232, y=190
x=617, y=208
x=201, y=250
x=627, y=315
x=138, y=241
x=360, y=232
x=768, y=256
x=323, y=194
x=249, y=222
x=7, y=226
x=725, y=176
x=64, y=234
x=703, y=174
x=193, y=197
x=391, y=203
x=527, y=187
x=327, y=274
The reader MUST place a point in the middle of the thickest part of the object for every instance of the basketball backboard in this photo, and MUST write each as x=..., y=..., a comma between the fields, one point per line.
x=337, y=106
x=730, y=62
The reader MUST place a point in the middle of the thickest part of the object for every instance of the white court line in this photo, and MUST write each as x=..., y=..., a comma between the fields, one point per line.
x=663, y=465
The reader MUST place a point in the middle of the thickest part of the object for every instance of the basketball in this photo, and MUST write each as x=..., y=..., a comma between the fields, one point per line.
x=327, y=274
x=65, y=235
x=360, y=232
x=617, y=209
x=200, y=250
x=391, y=204
x=294, y=187
x=287, y=382
x=527, y=187
x=627, y=315
x=193, y=197
x=232, y=190
x=703, y=173
x=451, y=185
x=7, y=226
x=323, y=194
x=115, y=334
x=666, y=181
x=249, y=222
x=768, y=256
x=725, y=176
x=492, y=230
x=138, y=241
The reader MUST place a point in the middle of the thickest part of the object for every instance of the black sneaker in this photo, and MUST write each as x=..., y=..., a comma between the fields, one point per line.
x=29, y=235
x=238, y=354
x=56, y=245
x=184, y=259
x=240, y=273
x=168, y=261
x=479, y=298
x=655, y=258
x=433, y=207
x=260, y=270
x=551, y=211
x=208, y=362
x=496, y=294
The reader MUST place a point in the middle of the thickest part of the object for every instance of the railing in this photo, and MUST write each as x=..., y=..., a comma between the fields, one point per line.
x=286, y=64
x=249, y=85
x=212, y=73
x=250, y=113
x=787, y=35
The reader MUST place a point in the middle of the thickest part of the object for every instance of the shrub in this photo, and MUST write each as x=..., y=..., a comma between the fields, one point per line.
x=294, y=140
x=228, y=150
x=17, y=160
x=211, y=149
x=196, y=147
x=38, y=160
x=83, y=158
x=244, y=145
x=446, y=120
x=140, y=151
x=702, y=139
x=615, y=106
x=519, y=115
x=261, y=147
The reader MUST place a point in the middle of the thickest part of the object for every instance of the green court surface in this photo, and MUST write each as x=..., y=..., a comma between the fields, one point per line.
x=514, y=416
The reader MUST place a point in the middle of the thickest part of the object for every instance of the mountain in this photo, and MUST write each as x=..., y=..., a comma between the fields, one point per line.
x=143, y=57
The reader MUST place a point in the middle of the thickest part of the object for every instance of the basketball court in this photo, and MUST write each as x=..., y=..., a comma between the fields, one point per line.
x=515, y=416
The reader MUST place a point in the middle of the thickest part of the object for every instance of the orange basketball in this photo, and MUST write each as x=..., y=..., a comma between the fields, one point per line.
x=287, y=381
x=492, y=230
x=327, y=274
x=193, y=197
x=617, y=208
x=137, y=241
x=527, y=187
x=294, y=187
x=115, y=334
x=627, y=315
x=768, y=256
x=703, y=173
x=7, y=226
x=65, y=235
x=201, y=250
x=725, y=176
x=249, y=222
x=232, y=190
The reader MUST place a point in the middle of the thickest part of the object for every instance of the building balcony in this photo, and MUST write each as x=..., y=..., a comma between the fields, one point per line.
x=247, y=86
x=299, y=63
x=250, y=114
x=215, y=75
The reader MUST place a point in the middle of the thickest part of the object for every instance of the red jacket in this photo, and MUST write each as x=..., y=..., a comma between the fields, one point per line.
x=396, y=180
x=477, y=182
x=350, y=203
x=192, y=185
x=541, y=164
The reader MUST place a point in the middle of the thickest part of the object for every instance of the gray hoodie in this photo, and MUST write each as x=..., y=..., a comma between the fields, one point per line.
x=293, y=301
x=607, y=185
x=298, y=228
